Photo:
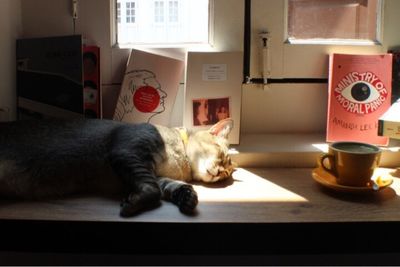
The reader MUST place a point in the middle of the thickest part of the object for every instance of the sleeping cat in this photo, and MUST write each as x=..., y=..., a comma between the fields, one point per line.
x=52, y=158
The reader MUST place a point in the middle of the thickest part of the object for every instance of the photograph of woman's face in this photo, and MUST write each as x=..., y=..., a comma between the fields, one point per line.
x=210, y=111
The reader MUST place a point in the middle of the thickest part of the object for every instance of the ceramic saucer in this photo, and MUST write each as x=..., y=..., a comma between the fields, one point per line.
x=326, y=179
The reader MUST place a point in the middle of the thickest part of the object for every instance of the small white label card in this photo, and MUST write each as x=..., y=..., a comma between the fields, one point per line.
x=214, y=72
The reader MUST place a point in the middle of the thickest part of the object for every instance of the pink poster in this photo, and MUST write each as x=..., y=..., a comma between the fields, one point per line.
x=359, y=93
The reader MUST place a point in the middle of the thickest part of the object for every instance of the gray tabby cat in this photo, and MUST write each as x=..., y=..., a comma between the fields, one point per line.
x=53, y=158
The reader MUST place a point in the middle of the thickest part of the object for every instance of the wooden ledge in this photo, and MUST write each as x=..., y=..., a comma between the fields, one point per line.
x=255, y=195
x=262, y=211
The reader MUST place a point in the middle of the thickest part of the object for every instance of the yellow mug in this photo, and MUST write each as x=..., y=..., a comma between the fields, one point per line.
x=352, y=163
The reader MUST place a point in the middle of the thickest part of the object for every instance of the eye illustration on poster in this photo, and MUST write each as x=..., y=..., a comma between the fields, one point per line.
x=89, y=63
x=144, y=94
x=91, y=83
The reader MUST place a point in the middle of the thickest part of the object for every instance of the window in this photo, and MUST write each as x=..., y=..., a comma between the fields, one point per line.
x=162, y=22
x=333, y=21
x=173, y=11
x=130, y=12
x=119, y=12
x=158, y=11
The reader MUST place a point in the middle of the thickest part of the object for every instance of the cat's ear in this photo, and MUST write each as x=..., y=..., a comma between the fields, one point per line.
x=222, y=128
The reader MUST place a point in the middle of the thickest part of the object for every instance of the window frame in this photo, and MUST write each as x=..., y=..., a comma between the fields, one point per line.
x=114, y=32
x=338, y=41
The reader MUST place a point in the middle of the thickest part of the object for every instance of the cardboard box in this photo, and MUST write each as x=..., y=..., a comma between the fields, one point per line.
x=389, y=123
x=49, y=77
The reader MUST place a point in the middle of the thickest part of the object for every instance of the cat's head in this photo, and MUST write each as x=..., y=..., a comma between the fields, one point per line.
x=207, y=151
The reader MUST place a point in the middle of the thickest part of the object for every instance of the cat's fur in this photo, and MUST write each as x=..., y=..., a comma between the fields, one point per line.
x=52, y=158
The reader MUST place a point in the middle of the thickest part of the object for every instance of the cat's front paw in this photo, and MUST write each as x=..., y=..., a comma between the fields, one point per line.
x=128, y=209
x=185, y=197
x=136, y=203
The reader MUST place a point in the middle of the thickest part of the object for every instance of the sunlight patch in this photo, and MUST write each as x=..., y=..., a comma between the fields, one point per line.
x=248, y=187
x=322, y=147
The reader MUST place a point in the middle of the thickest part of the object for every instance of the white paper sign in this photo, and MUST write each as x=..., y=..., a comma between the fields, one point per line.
x=214, y=72
x=149, y=88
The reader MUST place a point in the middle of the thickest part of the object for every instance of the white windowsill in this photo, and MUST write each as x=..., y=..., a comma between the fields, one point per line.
x=356, y=42
x=294, y=150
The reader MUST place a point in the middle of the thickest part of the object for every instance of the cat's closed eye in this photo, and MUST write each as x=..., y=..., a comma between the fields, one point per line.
x=220, y=169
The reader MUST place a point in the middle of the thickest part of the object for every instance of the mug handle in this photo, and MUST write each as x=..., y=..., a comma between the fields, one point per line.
x=322, y=159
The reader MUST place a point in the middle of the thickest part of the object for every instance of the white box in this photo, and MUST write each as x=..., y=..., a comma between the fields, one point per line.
x=213, y=90
x=389, y=122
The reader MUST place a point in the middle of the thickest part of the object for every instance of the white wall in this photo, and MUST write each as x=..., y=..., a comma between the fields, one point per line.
x=281, y=108
x=10, y=28
x=297, y=107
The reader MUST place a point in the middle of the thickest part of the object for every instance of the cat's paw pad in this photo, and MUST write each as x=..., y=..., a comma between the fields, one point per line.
x=128, y=208
x=185, y=197
x=135, y=204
